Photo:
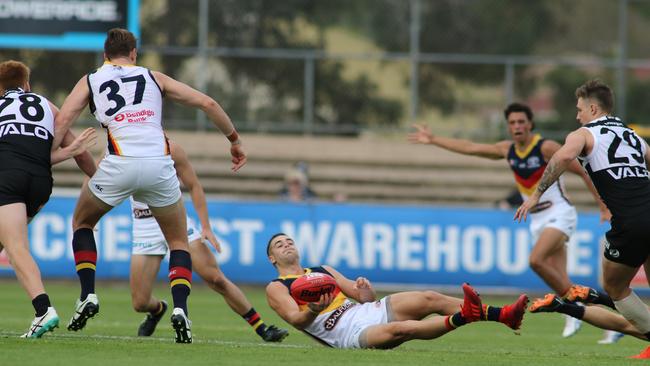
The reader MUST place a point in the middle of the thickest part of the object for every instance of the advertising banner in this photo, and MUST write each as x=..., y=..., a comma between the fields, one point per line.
x=64, y=24
x=414, y=246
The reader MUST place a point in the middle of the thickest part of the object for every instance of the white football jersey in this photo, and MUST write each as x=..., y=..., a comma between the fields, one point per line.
x=127, y=101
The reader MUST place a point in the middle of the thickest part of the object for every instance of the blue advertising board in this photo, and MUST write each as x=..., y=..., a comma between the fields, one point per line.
x=64, y=24
x=415, y=246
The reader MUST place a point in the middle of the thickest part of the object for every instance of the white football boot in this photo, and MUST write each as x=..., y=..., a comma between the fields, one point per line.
x=42, y=324
x=182, y=326
x=84, y=310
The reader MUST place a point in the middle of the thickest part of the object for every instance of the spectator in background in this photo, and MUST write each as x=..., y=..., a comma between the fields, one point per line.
x=296, y=184
x=511, y=201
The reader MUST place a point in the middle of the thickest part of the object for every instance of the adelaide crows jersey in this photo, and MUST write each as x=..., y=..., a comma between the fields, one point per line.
x=325, y=328
x=26, y=132
x=528, y=167
x=617, y=167
x=127, y=101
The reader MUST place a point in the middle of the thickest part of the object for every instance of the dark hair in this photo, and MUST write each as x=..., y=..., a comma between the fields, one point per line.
x=519, y=107
x=119, y=42
x=268, y=245
x=13, y=74
x=599, y=92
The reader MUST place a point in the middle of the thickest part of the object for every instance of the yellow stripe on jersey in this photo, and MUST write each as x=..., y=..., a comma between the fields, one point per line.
x=113, y=143
x=180, y=281
x=338, y=301
x=527, y=191
x=307, y=271
x=529, y=148
x=81, y=266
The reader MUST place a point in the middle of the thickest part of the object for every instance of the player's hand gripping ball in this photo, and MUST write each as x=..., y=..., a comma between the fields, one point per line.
x=310, y=287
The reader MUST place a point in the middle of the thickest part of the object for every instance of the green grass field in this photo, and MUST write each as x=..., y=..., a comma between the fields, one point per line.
x=223, y=338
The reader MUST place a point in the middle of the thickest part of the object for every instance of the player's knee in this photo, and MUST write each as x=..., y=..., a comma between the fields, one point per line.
x=140, y=305
x=401, y=331
x=432, y=297
x=217, y=281
x=536, y=264
x=613, y=288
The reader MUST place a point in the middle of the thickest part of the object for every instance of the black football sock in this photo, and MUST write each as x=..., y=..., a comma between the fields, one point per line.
x=571, y=309
x=255, y=320
x=41, y=303
x=492, y=313
x=454, y=321
x=180, y=277
x=604, y=299
x=85, y=258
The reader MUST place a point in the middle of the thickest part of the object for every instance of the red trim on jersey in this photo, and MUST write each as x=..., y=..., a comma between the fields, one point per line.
x=114, y=148
x=532, y=179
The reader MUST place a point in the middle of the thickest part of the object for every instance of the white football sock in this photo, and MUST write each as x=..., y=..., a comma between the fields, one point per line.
x=636, y=311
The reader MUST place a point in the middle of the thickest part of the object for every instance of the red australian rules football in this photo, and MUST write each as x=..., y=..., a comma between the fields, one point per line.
x=310, y=287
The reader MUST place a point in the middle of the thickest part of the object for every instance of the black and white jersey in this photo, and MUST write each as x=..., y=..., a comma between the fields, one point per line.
x=618, y=168
x=26, y=132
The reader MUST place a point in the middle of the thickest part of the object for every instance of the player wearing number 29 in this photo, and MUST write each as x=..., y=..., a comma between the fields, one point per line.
x=127, y=101
x=616, y=159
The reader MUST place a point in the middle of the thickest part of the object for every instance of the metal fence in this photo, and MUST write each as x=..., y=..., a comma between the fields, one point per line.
x=344, y=67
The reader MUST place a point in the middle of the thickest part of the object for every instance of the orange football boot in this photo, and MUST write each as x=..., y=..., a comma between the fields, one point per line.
x=645, y=354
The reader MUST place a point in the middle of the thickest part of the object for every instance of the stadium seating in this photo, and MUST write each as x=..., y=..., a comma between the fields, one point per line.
x=366, y=169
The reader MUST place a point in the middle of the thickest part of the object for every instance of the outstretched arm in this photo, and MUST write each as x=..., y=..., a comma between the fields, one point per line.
x=188, y=177
x=491, y=151
x=574, y=144
x=184, y=94
x=549, y=148
x=75, y=102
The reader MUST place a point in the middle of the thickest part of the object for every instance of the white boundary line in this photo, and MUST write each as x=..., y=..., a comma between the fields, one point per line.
x=170, y=340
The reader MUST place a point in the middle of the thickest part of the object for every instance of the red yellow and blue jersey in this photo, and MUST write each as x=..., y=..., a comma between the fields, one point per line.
x=324, y=328
x=288, y=280
x=528, y=167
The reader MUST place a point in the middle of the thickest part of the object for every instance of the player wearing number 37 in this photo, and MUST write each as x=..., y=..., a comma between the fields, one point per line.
x=127, y=101
x=616, y=159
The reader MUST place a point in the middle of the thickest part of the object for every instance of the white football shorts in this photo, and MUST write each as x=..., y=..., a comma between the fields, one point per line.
x=148, y=239
x=150, y=180
x=348, y=330
x=563, y=218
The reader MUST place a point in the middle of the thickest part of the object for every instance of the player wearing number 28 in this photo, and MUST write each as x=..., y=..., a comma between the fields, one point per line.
x=127, y=101
x=26, y=133
x=616, y=159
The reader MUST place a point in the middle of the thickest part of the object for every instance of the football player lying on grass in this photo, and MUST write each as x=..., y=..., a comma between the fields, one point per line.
x=320, y=306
